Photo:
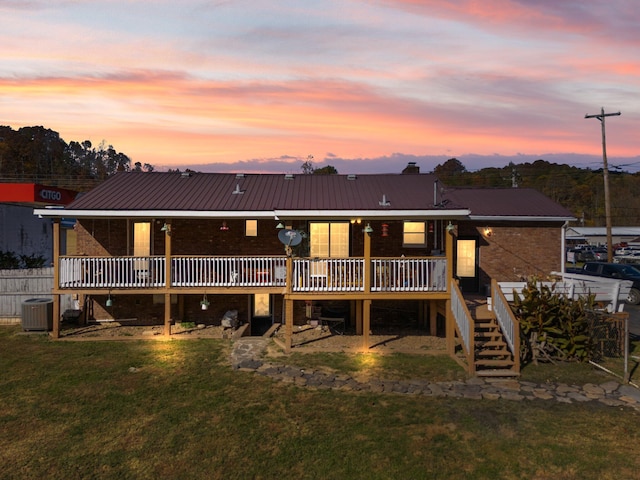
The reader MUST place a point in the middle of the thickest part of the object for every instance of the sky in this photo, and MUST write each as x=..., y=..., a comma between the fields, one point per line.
x=365, y=86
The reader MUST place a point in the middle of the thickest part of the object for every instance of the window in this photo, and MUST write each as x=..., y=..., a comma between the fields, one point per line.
x=329, y=239
x=142, y=239
x=251, y=228
x=414, y=234
x=466, y=261
x=261, y=305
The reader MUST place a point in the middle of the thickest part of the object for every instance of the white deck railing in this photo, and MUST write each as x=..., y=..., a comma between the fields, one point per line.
x=328, y=275
x=228, y=271
x=111, y=272
x=309, y=275
x=508, y=322
x=463, y=319
x=409, y=275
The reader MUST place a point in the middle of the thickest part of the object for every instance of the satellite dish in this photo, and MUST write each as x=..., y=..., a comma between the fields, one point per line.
x=290, y=237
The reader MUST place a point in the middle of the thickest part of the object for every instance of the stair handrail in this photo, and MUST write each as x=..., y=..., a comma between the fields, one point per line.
x=508, y=322
x=465, y=324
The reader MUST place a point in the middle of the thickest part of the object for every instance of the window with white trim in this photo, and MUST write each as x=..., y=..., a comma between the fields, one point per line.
x=414, y=234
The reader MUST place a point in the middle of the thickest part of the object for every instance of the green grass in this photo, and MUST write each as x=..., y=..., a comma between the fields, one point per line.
x=175, y=409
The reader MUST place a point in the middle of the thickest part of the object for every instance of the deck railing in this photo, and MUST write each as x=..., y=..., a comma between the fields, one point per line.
x=111, y=272
x=189, y=271
x=328, y=274
x=464, y=322
x=409, y=274
x=426, y=274
x=508, y=322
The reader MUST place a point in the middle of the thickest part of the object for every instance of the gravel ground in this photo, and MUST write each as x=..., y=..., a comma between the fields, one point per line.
x=305, y=338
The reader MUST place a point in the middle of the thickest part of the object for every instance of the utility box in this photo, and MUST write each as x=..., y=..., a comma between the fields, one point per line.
x=37, y=314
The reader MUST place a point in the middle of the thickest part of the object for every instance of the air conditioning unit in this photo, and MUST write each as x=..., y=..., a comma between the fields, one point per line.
x=37, y=314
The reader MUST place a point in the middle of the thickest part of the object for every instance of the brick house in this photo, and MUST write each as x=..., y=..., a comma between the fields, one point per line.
x=157, y=246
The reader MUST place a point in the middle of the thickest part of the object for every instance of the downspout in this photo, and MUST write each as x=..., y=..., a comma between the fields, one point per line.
x=563, y=248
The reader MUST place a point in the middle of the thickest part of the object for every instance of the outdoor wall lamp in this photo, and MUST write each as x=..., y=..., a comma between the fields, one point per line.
x=356, y=220
x=368, y=228
x=487, y=232
x=166, y=228
x=224, y=226
x=451, y=227
x=280, y=226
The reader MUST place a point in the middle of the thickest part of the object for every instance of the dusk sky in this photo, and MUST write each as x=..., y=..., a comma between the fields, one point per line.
x=365, y=86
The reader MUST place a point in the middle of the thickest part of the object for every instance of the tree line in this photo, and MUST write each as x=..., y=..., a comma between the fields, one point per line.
x=37, y=154
x=580, y=190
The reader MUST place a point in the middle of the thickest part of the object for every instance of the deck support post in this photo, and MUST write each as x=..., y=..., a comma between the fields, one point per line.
x=433, y=318
x=366, y=320
x=288, y=307
x=358, y=317
x=167, y=314
x=167, y=277
x=451, y=329
x=56, y=278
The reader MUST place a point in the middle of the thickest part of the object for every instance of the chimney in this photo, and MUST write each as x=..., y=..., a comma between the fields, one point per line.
x=411, y=168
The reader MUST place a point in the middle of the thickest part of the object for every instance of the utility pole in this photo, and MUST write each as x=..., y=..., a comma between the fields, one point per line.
x=607, y=204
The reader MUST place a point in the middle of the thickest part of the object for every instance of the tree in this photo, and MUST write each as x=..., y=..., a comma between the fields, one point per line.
x=307, y=167
x=328, y=170
x=450, y=168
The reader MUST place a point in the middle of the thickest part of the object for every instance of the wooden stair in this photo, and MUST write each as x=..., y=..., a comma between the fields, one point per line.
x=492, y=355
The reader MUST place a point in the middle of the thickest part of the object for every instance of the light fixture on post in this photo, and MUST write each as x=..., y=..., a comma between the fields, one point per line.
x=451, y=227
x=368, y=228
x=224, y=227
x=204, y=303
x=166, y=228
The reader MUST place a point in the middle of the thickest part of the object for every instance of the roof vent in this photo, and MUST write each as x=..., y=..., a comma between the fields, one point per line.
x=239, y=175
x=288, y=176
x=185, y=174
x=384, y=202
x=352, y=176
x=237, y=191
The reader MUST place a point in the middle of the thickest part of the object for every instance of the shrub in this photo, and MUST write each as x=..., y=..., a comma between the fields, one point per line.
x=553, y=326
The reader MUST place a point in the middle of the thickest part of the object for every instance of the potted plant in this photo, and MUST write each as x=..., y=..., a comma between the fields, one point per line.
x=204, y=303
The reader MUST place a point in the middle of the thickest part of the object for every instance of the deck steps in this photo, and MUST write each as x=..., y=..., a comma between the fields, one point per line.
x=492, y=356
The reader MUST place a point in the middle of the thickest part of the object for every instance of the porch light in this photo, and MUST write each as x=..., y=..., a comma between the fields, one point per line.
x=109, y=302
x=356, y=220
x=166, y=228
x=224, y=227
x=451, y=227
x=487, y=231
x=368, y=228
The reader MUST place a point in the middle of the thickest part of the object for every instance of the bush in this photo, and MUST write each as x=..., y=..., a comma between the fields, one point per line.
x=552, y=326
x=10, y=261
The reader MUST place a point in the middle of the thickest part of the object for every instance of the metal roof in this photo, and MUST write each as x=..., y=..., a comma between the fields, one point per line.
x=203, y=194
x=507, y=204
x=163, y=194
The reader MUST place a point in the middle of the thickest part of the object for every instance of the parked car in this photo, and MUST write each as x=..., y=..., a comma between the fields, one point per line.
x=619, y=271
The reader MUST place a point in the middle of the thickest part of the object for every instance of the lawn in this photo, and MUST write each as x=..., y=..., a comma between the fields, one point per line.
x=175, y=409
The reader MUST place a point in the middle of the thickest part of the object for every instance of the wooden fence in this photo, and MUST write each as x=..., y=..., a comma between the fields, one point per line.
x=16, y=286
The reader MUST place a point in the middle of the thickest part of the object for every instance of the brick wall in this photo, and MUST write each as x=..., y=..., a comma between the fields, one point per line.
x=515, y=252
